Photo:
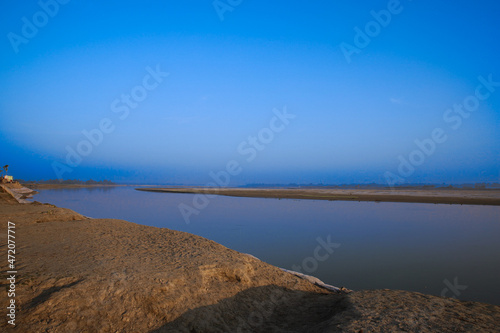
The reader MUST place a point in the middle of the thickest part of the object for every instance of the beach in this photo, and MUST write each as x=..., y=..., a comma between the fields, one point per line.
x=107, y=275
x=437, y=196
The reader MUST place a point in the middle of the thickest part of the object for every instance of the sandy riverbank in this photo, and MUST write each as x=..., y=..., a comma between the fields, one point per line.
x=103, y=275
x=437, y=196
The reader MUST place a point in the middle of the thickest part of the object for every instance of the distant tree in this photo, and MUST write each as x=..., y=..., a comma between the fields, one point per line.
x=6, y=168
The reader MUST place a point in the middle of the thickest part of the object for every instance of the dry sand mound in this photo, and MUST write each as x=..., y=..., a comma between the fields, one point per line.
x=103, y=275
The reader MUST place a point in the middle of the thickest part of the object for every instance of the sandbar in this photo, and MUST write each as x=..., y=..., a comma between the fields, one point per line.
x=436, y=196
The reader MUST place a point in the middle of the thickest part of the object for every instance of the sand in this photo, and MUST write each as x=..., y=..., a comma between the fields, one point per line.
x=77, y=274
x=438, y=196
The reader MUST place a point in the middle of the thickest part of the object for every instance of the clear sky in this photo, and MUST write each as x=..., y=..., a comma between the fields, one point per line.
x=290, y=91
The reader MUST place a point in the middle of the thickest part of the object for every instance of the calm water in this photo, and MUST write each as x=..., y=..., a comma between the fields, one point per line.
x=418, y=247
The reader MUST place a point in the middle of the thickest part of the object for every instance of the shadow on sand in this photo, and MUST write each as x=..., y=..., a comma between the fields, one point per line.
x=46, y=294
x=263, y=309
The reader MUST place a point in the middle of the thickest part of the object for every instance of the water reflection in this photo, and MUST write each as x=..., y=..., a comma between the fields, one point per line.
x=406, y=246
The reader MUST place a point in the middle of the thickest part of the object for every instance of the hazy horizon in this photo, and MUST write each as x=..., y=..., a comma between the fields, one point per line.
x=246, y=92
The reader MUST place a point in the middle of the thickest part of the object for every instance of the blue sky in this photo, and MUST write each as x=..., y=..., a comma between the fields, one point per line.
x=356, y=117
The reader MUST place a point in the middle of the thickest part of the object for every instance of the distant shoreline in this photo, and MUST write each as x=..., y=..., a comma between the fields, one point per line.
x=435, y=196
x=61, y=186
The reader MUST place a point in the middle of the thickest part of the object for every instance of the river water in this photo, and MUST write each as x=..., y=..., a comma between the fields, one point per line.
x=450, y=250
